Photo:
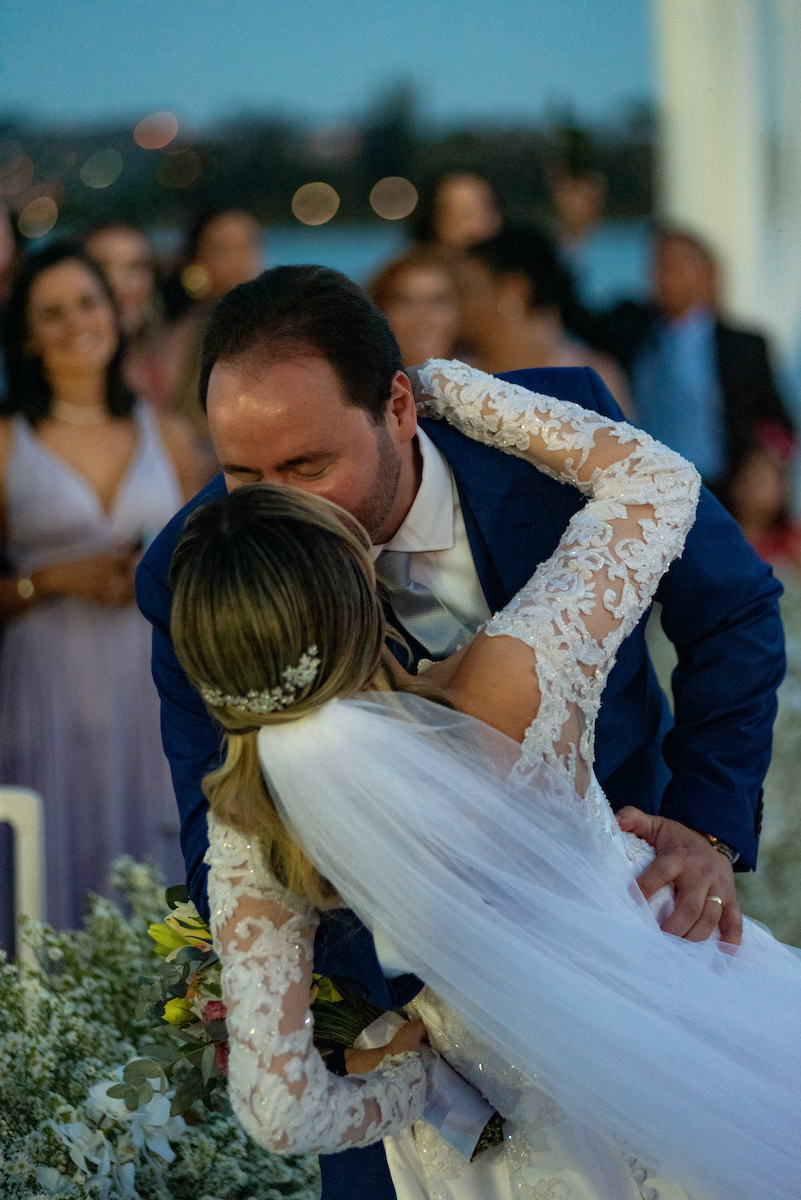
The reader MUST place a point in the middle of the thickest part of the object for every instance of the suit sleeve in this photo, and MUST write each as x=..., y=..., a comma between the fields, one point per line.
x=721, y=611
x=191, y=739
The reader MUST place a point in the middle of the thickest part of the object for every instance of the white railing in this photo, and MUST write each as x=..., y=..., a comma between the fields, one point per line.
x=22, y=810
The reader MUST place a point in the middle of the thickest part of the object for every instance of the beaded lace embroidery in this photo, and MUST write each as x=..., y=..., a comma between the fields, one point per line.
x=280, y=1089
x=587, y=597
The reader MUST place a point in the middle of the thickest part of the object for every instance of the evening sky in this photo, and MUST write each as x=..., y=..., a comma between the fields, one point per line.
x=498, y=60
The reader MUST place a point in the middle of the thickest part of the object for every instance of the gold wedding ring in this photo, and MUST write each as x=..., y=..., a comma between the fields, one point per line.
x=716, y=899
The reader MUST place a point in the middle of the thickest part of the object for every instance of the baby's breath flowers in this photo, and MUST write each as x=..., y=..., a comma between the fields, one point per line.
x=70, y=1035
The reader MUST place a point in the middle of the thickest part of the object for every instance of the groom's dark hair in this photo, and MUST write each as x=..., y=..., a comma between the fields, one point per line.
x=289, y=311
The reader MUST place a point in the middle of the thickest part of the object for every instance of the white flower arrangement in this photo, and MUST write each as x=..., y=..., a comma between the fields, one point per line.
x=67, y=1029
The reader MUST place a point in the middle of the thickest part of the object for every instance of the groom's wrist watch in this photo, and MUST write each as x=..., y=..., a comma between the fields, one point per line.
x=723, y=847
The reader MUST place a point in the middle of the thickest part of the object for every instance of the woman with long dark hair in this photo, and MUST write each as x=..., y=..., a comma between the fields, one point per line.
x=88, y=475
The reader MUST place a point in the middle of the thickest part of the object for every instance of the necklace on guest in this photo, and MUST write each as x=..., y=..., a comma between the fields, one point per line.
x=78, y=414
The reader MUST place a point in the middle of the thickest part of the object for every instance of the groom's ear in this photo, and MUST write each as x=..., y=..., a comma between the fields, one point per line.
x=401, y=409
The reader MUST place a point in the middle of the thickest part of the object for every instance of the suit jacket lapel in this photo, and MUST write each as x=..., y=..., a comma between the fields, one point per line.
x=508, y=513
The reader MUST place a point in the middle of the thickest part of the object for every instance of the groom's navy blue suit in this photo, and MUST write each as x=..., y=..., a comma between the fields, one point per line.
x=720, y=608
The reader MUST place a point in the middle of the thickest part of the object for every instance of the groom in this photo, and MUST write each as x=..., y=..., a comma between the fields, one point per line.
x=303, y=385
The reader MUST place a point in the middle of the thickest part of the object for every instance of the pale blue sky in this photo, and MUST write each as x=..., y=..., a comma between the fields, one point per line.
x=88, y=60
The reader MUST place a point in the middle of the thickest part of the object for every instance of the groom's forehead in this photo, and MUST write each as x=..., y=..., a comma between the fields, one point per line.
x=297, y=385
x=294, y=408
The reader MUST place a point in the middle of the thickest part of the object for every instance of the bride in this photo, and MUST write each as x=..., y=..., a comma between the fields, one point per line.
x=458, y=815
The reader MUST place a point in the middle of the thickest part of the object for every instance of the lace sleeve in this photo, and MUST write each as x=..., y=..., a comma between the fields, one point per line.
x=587, y=597
x=280, y=1089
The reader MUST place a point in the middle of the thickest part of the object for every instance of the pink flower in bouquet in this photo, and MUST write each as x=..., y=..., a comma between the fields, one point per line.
x=215, y=1010
x=221, y=1058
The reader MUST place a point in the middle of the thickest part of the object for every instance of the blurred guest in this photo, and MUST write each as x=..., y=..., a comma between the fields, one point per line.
x=417, y=294
x=607, y=259
x=513, y=289
x=760, y=495
x=88, y=476
x=578, y=198
x=126, y=257
x=8, y=261
x=459, y=209
x=224, y=249
x=698, y=383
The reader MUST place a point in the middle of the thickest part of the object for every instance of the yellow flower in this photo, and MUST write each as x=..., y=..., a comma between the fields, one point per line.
x=184, y=927
x=324, y=989
x=179, y=1012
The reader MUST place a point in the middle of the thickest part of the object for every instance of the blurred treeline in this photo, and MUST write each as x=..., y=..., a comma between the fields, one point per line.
x=259, y=161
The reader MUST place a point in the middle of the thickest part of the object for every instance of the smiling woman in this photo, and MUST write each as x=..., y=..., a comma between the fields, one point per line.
x=88, y=476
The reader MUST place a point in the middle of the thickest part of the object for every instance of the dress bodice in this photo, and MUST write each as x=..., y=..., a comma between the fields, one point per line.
x=53, y=514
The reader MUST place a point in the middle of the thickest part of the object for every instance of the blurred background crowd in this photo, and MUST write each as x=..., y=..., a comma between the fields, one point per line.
x=544, y=245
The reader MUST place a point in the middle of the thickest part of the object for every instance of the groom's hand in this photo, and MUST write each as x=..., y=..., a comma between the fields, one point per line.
x=696, y=870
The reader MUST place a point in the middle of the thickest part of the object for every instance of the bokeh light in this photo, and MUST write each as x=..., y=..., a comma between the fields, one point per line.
x=156, y=131
x=195, y=280
x=393, y=198
x=38, y=217
x=315, y=203
x=101, y=169
x=181, y=169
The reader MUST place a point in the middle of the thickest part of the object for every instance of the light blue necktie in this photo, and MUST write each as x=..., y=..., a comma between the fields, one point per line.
x=417, y=608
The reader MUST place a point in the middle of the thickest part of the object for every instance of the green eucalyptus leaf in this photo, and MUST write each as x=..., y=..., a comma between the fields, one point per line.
x=163, y=1054
x=207, y=1063
x=178, y=894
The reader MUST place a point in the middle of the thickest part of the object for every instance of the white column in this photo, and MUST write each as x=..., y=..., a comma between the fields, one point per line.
x=730, y=156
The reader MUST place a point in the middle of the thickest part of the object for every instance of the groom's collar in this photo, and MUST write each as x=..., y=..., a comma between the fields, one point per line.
x=429, y=522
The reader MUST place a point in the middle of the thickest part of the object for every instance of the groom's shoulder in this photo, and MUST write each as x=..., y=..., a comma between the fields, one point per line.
x=579, y=385
x=158, y=556
x=474, y=461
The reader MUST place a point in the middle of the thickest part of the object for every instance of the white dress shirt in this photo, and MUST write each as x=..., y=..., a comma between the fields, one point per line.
x=435, y=534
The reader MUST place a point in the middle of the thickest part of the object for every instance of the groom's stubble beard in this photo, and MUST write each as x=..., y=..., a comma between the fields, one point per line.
x=380, y=500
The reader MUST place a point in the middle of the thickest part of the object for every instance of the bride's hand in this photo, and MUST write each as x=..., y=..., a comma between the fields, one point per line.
x=409, y=1037
x=696, y=870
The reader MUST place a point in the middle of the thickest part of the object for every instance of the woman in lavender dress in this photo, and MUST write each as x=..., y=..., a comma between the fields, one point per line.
x=88, y=475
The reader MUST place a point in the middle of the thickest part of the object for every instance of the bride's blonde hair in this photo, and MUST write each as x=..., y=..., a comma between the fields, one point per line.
x=258, y=577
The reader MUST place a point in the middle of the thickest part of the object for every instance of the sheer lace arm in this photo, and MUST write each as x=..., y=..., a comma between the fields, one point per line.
x=280, y=1089
x=587, y=597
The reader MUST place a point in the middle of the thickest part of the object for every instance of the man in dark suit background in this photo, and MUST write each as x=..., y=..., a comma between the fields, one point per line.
x=698, y=383
x=305, y=387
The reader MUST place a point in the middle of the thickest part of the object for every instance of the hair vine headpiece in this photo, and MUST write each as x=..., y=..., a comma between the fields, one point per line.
x=273, y=698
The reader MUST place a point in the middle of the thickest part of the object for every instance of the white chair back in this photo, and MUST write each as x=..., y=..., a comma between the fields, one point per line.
x=23, y=810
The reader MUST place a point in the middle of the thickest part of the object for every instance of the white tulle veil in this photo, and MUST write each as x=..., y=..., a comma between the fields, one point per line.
x=502, y=891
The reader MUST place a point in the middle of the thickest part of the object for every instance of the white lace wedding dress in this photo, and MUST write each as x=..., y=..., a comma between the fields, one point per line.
x=501, y=878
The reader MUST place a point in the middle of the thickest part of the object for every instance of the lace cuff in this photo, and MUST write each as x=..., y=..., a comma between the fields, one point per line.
x=279, y=1087
x=587, y=597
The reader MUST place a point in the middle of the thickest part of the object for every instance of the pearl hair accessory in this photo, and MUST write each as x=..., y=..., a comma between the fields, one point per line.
x=274, y=698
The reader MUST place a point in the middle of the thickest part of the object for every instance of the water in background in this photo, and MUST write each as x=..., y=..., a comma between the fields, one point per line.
x=613, y=263
x=358, y=251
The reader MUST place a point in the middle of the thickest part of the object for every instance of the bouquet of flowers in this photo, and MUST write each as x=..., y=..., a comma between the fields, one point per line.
x=184, y=999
